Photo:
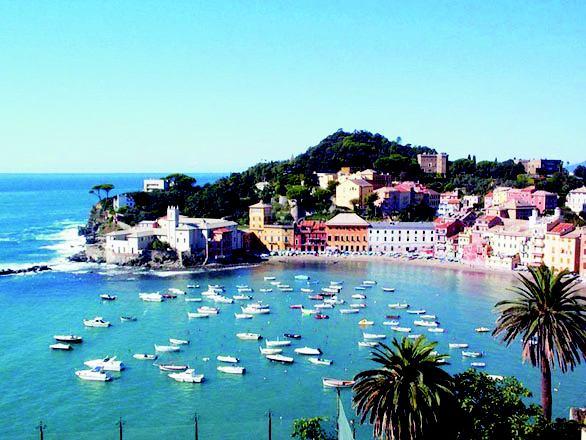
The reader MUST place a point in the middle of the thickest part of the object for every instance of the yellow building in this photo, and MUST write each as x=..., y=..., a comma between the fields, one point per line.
x=500, y=195
x=562, y=248
x=353, y=190
x=273, y=237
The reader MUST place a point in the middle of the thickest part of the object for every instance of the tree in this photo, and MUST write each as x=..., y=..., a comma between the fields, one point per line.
x=97, y=190
x=309, y=429
x=548, y=313
x=580, y=172
x=107, y=187
x=301, y=194
x=180, y=182
x=402, y=398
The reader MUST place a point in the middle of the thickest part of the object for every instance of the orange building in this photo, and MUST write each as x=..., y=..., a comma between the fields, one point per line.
x=347, y=232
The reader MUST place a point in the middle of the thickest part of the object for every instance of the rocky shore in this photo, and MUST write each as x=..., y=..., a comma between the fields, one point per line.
x=33, y=269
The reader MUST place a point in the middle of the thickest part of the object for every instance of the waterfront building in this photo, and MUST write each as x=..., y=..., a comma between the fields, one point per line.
x=403, y=237
x=582, y=268
x=576, y=200
x=446, y=231
x=433, y=163
x=353, y=190
x=396, y=198
x=543, y=167
x=510, y=244
x=562, y=247
x=347, y=232
x=149, y=185
x=311, y=235
x=273, y=237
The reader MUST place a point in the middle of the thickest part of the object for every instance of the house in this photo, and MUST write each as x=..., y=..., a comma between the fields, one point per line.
x=470, y=201
x=324, y=179
x=544, y=167
x=433, y=163
x=512, y=209
x=576, y=200
x=403, y=237
x=510, y=244
x=311, y=235
x=445, y=231
x=122, y=201
x=353, y=190
x=449, y=208
x=562, y=248
x=272, y=237
x=398, y=197
x=149, y=185
x=347, y=232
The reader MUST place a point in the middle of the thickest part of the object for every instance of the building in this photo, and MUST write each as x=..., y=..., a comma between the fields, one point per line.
x=433, y=163
x=271, y=236
x=186, y=235
x=446, y=232
x=543, y=167
x=347, y=232
x=403, y=237
x=149, y=185
x=122, y=201
x=470, y=201
x=324, y=179
x=449, y=208
x=512, y=209
x=510, y=244
x=311, y=235
x=582, y=268
x=353, y=190
x=396, y=198
x=576, y=200
x=562, y=248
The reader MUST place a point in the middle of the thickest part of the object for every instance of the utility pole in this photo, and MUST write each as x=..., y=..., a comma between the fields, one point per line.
x=41, y=427
x=195, y=427
x=270, y=426
x=120, y=428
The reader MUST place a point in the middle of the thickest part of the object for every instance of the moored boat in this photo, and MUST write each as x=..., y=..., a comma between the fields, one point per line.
x=61, y=346
x=107, y=364
x=192, y=299
x=321, y=316
x=472, y=354
x=306, y=290
x=308, y=351
x=98, y=321
x=278, y=343
x=172, y=367
x=243, y=315
x=320, y=361
x=292, y=335
x=264, y=351
x=167, y=348
x=305, y=311
x=368, y=336
x=174, y=341
x=231, y=369
x=416, y=312
x=478, y=364
x=280, y=358
x=265, y=290
x=176, y=291
x=107, y=297
x=227, y=359
x=187, y=376
x=349, y=311
x=357, y=305
x=358, y=296
x=128, y=318
x=392, y=323
x=302, y=277
x=151, y=297
x=401, y=329
x=367, y=344
x=435, y=330
x=365, y=322
x=249, y=336
x=208, y=310
x=296, y=306
x=196, y=315
x=388, y=289
x=95, y=374
x=457, y=345
x=72, y=339
x=145, y=356
x=481, y=329
x=336, y=383
x=369, y=283
x=399, y=306
x=424, y=323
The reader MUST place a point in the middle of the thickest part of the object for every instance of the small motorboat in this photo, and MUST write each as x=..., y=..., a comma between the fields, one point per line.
x=95, y=374
x=305, y=311
x=292, y=335
x=357, y=305
x=482, y=330
x=71, y=339
x=98, y=321
x=172, y=367
x=253, y=309
x=192, y=299
x=242, y=297
x=393, y=316
x=360, y=288
x=207, y=310
x=270, y=278
x=358, y=296
x=174, y=341
x=321, y=316
x=128, y=318
x=433, y=317
x=215, y=286
x=145, y=356
x=399, y=306
x=472, y=354
x=167, y=348
x=265, y=351
x=365, y=322
x=368, y=336
x=285, y=289
x=280, y=358
x=323, y=306
x=193, y=286
x=367, y=344
x=278, y=343
x=60, y=346
x=349, y=311
x=392, y=323
x=244, y=290
x=243, y=315
x=436, y=330
x=316, y=297
x=308, y=351
x=414, y=336
x=169, y=295
x=151, y=297
x=334, y=301
x=478, y=364
x=187, y=376
x=176, y=291
x=296, y=306
x=320, y=361
x=196, y=315
x=369, y=283
x=227, y=359
x=106, y=297
x=401, y=329
x=330, y=290
x=337, y=383
x=275, y=283
x=231, y=369
x=107, y=364
x=249, y=336
x=416, y=312
x=306, y=290
x=388, y=289
x=222, y=299
x=302, y=277
x=457, y=345
x=424, y=323
x=265, y=290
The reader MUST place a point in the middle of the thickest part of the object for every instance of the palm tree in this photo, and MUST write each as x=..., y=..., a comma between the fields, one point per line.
x=402, y=398
x=549, y=315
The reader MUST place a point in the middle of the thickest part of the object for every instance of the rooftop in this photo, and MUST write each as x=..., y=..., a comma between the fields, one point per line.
x=347, y=219
x=402, y=225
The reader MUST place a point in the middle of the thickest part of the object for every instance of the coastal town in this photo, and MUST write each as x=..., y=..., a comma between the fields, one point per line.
x=507, y=228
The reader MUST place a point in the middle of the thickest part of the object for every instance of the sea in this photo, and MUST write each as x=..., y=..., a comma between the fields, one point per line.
x=39, y=216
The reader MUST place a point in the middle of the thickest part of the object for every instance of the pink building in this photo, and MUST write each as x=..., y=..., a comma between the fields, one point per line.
x=542, y=200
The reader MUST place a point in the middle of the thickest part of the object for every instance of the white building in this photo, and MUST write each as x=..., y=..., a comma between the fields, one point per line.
x=122, y=201
x=149, y=185
x=576, y=200
x=403, y=237
x=186, y=235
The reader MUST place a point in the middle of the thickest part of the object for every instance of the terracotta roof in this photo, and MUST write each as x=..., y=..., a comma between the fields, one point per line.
x=260, y=205
x=562, y=228
x=347, y=219
x=360, y=182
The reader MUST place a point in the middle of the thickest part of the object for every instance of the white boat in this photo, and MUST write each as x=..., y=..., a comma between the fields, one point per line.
x=392, y=323
x=95, y=374
x=167, y=348
x=253, y=310
x=336, y=283
x=416, y=312
x=399, y=306
x=478, y=364
x=280, y=358
x=302, y=277
x=193, y=299
x=367, y=336
x=472, y=354
x=107, y=297
x=481, y=329
x=323, y=306
x=71, y=339
x=305, y=311
x=215, y=286
x=360, y=288
x=264, y=351
x=243, y=316
x=330, y=290
x=275, y=283
x=195, y=315
x=414, y=336
x=230, y=369
x=208, y=310
x=401, y=329
x=305, y=290
x=265, y=290
x=107, y=364
x=244, y=290
x=174, y=341
x=337, y=383
x=177, y=291
x=286, y=289
x=428, y=317
x=423, y=323
x=333, y=300
x=357, y=306
x=227, y=359
x=308, y=351
x=172, y=367
x=187, y=376
x=127, y=318
x=242, y=297
x=320, y=361
x=249, y=336
x=365, y=322
x=359, y=296
x=283, y=286
x=60, y=346
x=457, y=345
x=367, y=344
x=98, y=321
x=193, y=286
x=278, y=343
x=349, y=311
x=221, y=299
x=145, y=356
x=388, y=289
x=270, y=278
x=151, y=297
x=369, y=283
x=436, y=330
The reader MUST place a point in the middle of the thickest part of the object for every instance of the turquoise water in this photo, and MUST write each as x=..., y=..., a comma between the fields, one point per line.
x=40, y=384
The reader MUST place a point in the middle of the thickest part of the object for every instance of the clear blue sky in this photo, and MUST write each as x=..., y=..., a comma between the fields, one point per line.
x=216, y=86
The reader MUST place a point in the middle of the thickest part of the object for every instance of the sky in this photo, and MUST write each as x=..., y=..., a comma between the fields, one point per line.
x=193, y=86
